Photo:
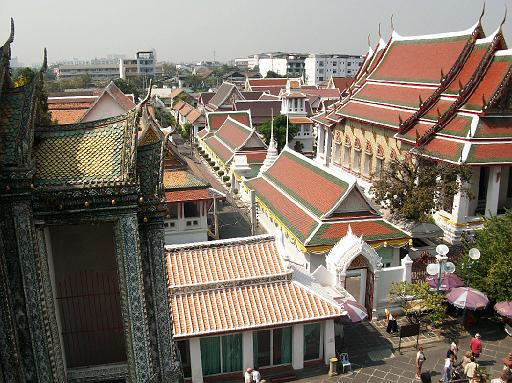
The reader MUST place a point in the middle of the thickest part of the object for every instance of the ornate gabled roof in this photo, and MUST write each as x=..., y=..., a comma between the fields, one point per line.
x=222, y=94
x=222, y=151
x=96, y=153
x=393, y=94
x=216, y=119
x=378, y=114
x=307, y=183
x=233, y=133
x=149, y=130
x=314, y=205
x=421, y=59
x=235, y=285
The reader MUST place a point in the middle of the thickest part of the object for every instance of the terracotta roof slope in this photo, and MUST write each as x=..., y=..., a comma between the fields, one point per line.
x=233, y=133
x=316, y=189
x=216, y=119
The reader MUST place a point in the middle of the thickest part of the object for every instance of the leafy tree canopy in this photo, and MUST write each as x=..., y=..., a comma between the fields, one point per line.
x=272, y=74
x=279, y=130
x=22, y=76
x=492, y=273
x=186, y=129
x=412, y=189
x=129, y=87
x=418, y=302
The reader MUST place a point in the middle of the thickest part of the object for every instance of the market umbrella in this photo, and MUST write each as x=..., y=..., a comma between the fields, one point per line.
x=467, y=298
x=504, y=308
x=356, y=312
x=448, y=281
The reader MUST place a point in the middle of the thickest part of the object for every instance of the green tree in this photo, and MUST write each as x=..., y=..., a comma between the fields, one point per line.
x=185, y=130
x=492, y=273
x=128, y=87
x=412, y=189
x=166, y=118
x=272, y=74
x=418, y=302
x=22, y=76
x=279, y=130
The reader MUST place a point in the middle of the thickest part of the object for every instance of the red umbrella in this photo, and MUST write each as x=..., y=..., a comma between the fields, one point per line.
x=448, y=282
x=467, y=298
x=504, y=308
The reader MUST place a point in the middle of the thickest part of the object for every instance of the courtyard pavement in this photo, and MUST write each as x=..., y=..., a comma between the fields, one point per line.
x=375, y=358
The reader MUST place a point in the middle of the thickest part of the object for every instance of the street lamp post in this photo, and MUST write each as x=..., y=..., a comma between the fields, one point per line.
x=441, y=259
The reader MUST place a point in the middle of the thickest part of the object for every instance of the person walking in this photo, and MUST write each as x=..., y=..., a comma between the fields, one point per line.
x=454, y=347
x=466, y=359
x=256, y=376
x=476, y=346
x=420, y=358
x=447, y=368
x=248, y=375
x=470, y=370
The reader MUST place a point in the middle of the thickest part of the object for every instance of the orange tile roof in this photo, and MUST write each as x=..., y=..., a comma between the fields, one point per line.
x=239, y=259
x=186, y=195
x=235, y=285
x=63, y=116
x=300, y=120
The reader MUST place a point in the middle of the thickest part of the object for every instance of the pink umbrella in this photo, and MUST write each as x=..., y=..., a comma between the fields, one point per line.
x=448, y=281
x=467, y=298
x=504, y=308
x=356, y=312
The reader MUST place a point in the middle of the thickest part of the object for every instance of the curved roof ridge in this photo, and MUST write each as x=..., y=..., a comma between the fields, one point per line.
x=397, y=37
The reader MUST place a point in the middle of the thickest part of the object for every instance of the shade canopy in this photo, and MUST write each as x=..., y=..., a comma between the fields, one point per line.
x=504, y=308
x=448, y=282
x=356, y=312
x=467, y=298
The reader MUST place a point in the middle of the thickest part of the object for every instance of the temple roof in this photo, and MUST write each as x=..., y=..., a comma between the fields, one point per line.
x=182, y=179
x=315, y=205
x=93, y=153
x=216, y=119
x=222, y=94
x=237, y=284
x=68, y=110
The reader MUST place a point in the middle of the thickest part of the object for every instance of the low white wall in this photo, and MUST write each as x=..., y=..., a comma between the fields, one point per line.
x=386, y=278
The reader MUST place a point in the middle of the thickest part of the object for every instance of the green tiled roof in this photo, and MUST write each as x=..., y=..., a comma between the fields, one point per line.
x=97, y=152
x=182, y=179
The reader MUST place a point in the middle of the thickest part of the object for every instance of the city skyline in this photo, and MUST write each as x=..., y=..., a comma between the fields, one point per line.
x=236, y=30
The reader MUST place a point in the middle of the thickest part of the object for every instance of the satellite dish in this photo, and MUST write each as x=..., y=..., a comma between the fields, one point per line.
x=474, y=254
x=442, y=249
x=449, y=268
x=433, y=269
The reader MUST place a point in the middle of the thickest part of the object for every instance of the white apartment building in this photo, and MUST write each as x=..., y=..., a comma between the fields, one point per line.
x=320, y=67
x=282, y=63
x=97, y=69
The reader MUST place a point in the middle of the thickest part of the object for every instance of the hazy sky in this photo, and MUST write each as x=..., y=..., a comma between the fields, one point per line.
x=190, y=30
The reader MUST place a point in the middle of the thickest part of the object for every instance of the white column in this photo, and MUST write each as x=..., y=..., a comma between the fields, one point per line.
x=493, y=191
x=329, y=349
x=460, y=209
x=328, y=146
x=376, y=282
x=321, y=141
x=407, y=265
x=298, y=346
x=362, y=287
x=247, y=350
x=195, y=361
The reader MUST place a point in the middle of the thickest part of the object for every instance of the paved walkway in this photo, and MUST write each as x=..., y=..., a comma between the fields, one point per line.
x=375, y=359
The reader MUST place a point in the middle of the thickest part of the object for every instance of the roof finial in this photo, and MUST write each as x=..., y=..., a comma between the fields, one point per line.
x=392, y=26
x=504, y=17
x=417, y=135
x=44, y=67
x=272, y=125
x=482, y=14
x=11, y=35
x=148, y=95
x=400, y=119
x=369, y=42
x=484, y=101
x=460, y=85
x=442, y=74
x=380, y=36
x=421, y=100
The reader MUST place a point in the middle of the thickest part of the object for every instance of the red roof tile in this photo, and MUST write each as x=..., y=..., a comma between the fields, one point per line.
x=186, y=195
x=493, y=78
x=458, y=126
x=292, y=216
x=433, y=113
x=219, y=149
x=419, y=60
x=306, y=183
x=268, y=82
x=375, y=114
x=216, y=119
x=323, y=93
x=469, y=68
x=490, y=153
x=393, y=94
x=233, y=134
x=63, y=116
x=494, y=127
x=442, y=149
